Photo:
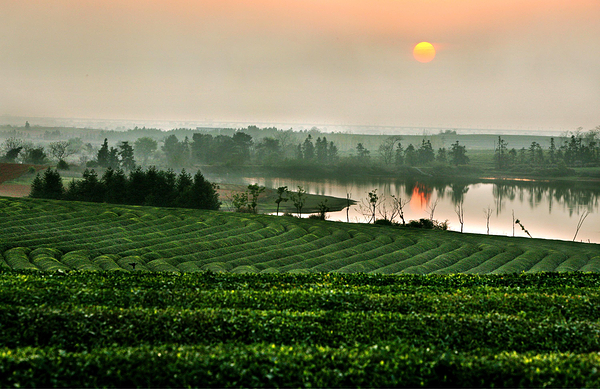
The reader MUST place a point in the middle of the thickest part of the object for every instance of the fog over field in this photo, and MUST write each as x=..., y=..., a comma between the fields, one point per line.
x=500, y=64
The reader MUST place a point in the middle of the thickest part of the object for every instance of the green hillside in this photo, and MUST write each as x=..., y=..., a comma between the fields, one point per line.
x=51, y=235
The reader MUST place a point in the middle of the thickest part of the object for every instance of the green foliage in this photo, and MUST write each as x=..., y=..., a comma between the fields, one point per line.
x=425, y=223
x=254, y=190
x=185, y=240
x=126, y=158
x=150, y=187
x=62, y=165
x=34, y=156
x=144, y=148
x=298, y=199
x=48, y=186
x=458, y=154
x=119, y=329
x=280, y=196
x=239, y=201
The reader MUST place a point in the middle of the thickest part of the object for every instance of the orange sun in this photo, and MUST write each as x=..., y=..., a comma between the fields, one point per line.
x=424, y=52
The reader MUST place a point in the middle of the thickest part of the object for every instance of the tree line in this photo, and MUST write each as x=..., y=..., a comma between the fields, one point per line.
x=150, y=187
x=578, y=150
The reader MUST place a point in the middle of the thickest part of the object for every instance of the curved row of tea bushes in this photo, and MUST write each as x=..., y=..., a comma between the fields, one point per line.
x=91, y=236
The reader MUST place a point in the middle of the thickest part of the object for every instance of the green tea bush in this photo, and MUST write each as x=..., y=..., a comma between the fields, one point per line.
x=443, y=260
x=290, y=366
x=79, y=260
x=189, y=266
x=573, y=263
x=496, y=262
x=161, y=265
x=593, y=265
x=522, y=262
x=131, y=263
x=370, y=250
x=17, y=259
x=549, y=262
x=485, y=253
x=424, y=257
x=3, y=263
x=108, y=262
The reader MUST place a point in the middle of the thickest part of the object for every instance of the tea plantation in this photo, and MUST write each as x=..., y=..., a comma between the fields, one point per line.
x=56, y=235
x=299, y=303
x=118, y=329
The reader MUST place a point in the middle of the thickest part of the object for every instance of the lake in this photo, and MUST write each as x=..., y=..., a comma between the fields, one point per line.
x=545, y=210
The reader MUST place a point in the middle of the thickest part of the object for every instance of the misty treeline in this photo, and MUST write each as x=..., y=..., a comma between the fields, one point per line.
x=18, y=150
x=228, y=147
x=309, y=151
x=579, y=149
x=149, y=187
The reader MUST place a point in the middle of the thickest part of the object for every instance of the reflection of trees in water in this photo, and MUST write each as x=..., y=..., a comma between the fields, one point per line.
x=421, y=193
x=574, y=197
x=458, y=193
x=571, y=197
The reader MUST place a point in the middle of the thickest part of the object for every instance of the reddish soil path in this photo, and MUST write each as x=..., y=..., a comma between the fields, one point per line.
x=14, y=190
x=13, y=171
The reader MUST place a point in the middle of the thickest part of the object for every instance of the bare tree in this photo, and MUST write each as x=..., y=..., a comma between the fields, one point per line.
x=513, y=225
x=370, y=205
x=432, y=207
x=488, y=213
x=582, y=218
x=388, y=148
x=348, y=195
x=398, y=206
x=386, y=211
x=284, y=137
x=60, y=149
x=298, y=199
x=12, y=143
x=460, y=211
x=348, y=202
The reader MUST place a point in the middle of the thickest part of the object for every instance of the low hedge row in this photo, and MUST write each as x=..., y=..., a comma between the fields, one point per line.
x=293, y=366
x=77, y=329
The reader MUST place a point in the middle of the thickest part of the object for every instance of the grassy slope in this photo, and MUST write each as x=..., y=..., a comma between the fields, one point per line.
x=50, y=235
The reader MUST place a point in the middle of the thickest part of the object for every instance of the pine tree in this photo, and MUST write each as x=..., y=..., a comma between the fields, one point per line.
x=126, y=156
x=102, y=156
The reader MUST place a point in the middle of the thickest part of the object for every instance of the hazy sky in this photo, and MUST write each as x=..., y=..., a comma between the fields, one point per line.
x=500, y=63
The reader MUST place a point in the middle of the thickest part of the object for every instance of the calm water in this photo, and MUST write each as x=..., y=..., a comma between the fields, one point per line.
x=546, y=210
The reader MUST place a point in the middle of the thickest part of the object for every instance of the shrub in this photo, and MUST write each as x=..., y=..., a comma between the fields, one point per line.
x=62, y=165
x=425, y=223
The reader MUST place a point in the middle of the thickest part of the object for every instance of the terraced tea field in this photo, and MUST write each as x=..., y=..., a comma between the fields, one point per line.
x=53, y=235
